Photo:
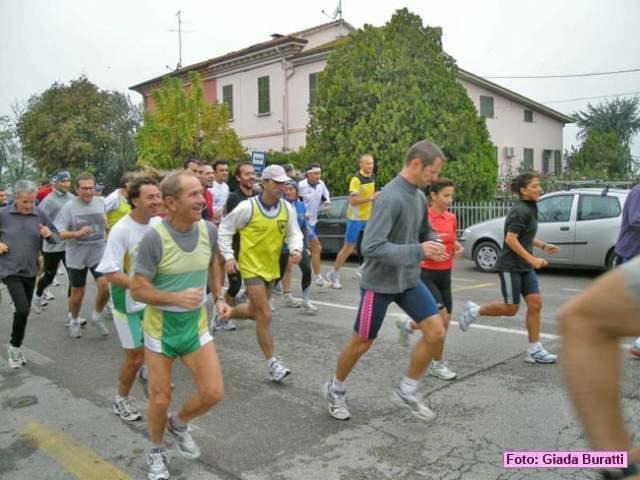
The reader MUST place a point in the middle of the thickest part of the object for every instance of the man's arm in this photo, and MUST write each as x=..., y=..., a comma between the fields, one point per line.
x=230, y=224
x=144, y=292
x=295, y=238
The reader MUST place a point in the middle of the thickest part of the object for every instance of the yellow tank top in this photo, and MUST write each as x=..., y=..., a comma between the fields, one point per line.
x=114, y=215
x=261, y=242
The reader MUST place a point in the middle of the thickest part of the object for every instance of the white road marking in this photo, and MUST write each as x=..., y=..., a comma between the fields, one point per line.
x=456, y=279
x=575, y=290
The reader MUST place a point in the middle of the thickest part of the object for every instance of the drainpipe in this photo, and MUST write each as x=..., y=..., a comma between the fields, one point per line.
x=285, y=101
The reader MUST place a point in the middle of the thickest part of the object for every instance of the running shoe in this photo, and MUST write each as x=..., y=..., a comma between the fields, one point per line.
x=47, y=295
x=56, y=282
x=468, y=315
x=278, y=371
x=635, y=348
x=291, y=301
x=277, y=289
x=336, y=402
x=540, y=355
x=441, y=370
x=333, y=278
x=13, y=357
x=37, y=304
x=308, y=308
x=241, y=298
x=321, y=282
x=74, y=329
x=187, y=446
x=413, y=404
x=272, y=305
x=98, y=322
x=126, y=410
x=357, y=275
x=83, y=321
x=158, y=465
x=403, y=333
x=228, y=325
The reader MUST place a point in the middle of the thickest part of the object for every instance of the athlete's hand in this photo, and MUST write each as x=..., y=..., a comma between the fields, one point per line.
x=551, y=249
x=458, y=249
x=44, y=231
x=231, y=266
x=434, y=251
x=83, y=232
x=4, y=248
x=224, y=310
x=539, y=263
x=295, y=257
x=190, y=299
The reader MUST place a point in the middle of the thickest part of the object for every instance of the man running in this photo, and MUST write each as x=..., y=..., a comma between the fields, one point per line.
x=315, y=194
x=53, y=253
x=219, y=189
x=591, y=326
x=116, y=204
x=22, y=228
x=263, y=223
x=391, y=273
x=82, y=223
x=173, y=269
x=117, y=264
x=362, y=193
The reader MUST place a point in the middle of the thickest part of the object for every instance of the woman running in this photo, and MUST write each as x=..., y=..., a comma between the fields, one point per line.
x=516, y=265
x=437, y=275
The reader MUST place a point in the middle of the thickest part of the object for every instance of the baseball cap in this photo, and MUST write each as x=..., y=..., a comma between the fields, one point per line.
x=275, y=173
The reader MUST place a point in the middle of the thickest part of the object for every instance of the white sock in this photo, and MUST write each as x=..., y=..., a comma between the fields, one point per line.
x=534, y=346
x=407, y=325
x=337, y=386
x=408, y=386
x=96, y=315
x=270, y=361
x=119, y=398
x=436, y=363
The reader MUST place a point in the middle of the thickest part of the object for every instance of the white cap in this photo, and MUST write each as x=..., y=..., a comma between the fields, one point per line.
x=275, y=173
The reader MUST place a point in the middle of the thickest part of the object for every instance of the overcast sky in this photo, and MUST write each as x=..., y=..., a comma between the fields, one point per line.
x=118, y=43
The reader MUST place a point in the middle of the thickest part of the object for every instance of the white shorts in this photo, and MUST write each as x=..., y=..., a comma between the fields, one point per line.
x=129, y=328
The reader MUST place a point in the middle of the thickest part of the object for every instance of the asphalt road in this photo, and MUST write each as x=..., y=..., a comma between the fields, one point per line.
x=57, y=421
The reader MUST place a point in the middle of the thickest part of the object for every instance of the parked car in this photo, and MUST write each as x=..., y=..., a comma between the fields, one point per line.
x=584, y=223
x=332, y=225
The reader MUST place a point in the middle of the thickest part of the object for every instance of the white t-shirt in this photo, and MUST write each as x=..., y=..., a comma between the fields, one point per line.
x=314, y=197
x=220, y=192
x=120, y=255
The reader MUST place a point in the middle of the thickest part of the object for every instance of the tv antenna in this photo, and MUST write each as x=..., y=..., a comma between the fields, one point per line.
x=179, y=15
x=337, y=13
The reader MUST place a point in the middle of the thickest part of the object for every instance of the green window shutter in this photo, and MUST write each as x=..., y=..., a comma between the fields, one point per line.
x=528, y=116
x=313, y=84
x=527, y=164
x=486, y=106
x=546, y=160
x=227, y=98
x=557, y=159
x=264, y=100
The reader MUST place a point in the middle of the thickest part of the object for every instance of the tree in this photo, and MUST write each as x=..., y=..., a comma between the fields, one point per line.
x=385, y=88
x=601, y=156
x=80, y=127
x=619, y=115
x=183, y=124
x=14, y=165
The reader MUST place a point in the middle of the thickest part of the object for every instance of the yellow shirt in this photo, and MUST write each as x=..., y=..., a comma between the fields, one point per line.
x=365, y=187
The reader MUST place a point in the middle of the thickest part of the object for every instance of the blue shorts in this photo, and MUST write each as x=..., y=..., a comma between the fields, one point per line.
x=312, y=232
x=517, y=284
x=416, y=302
x=354, y=227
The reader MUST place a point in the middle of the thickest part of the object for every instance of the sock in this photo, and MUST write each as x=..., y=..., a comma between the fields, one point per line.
x=534, y=346
x=270, y=361
x=305, y=294
x=119, y=398
x=408, y=386
x=436, y=363
x=157, y=448
x=177, y=423
x=96, y=315
x=337, y=386
x=407, y=325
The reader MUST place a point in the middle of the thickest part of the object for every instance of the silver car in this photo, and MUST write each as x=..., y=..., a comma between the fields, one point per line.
x=584, y=223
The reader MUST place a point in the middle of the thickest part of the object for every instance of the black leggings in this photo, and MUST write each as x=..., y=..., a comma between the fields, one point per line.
x=51, y=263
x=21, y=291
x=439, y=284
x=235, y=284
x=305, y=268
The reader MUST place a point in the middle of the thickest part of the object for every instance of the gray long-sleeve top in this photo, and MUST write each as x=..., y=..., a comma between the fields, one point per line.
x=21, y=233
x=391, y=244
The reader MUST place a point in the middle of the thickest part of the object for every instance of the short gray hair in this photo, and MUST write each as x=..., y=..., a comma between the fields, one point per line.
x=426, y=151
x=24, y=186
x=171, y=186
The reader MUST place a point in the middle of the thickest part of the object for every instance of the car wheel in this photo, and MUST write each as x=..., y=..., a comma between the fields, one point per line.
x=611, y=261
x=486, y=256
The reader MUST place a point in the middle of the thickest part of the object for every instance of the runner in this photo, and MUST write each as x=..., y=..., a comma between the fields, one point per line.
x=116, y=203
x=53, y=253
x=305, y=305
x=219, y=189
x=82, y=222
x=22, y=228
x=391, y=273
x=173, y=268
x=120, y=256
x=314, y=193
x=3, y=197
x=362, y=193
x=206, y=177
x=515, y=267
x=437, y=275
x=263, y=222
x=592, y=325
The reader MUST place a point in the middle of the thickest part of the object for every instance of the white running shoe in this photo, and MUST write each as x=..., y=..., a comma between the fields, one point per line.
x=74, y=329
x=228, y=325
x=278, y=371
x=98, y=322
x=468, y=315
x=126, y=410
x=56, y=282
x=83, y=321
x=272, y=305
x=441, y=370
x=13, y=357
x=277, y=289
x=403, y=333
x=291, y=301
x=158, y=465
x=308, y=308
x=47, y=295
x=37, y=304
x=413, y=404
x=321, y=282
x=333, y=278
x=540, y=355
x=357, y=275
x=336, y=403
x=187, y=446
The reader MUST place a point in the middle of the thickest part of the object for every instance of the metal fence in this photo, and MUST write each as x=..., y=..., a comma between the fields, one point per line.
x=470, y=213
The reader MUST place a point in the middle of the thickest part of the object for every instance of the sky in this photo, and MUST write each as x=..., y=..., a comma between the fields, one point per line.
x=119, y=43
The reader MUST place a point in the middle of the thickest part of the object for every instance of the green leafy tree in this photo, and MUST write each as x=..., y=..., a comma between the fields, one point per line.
x=601, y=156
x=14, y=165
x=183, y=124
x=80, y=127
x=385, y=88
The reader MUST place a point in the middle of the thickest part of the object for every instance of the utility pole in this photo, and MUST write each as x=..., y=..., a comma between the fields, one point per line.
x=179, y=66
